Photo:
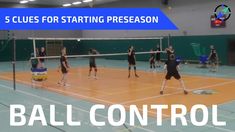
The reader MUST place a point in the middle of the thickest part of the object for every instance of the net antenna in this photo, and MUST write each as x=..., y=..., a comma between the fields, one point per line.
x=80, y=39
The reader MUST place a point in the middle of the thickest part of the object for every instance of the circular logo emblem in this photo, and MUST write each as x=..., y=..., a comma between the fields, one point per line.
x=222, y=12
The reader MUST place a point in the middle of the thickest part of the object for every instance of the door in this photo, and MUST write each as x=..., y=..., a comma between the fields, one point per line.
x=231, y=52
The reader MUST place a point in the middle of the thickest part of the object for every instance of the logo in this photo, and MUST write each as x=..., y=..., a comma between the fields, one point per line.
x=222, y=12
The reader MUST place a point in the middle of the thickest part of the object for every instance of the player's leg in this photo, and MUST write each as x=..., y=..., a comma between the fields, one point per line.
x=65, y=76
x=151, y=66
x=62, y=76
x=154, y=65
x=95, y=70
x=135, y=71
x=215, y=65
x=163, y=86
x=212, y=65
x=167, y=77
x=90, y=70
x=158, y=59
x=183, y=86
x=129, y=70
x=178, y=77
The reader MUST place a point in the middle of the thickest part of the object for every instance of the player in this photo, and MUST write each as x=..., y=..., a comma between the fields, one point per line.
x=42, y=53
x=213, y=59
x=131, y=60
x=158, y=56
x=64, y=66
x=33, y=62
x=172, y=67
x=92, y=62
x=170, y=51
x=152, y=60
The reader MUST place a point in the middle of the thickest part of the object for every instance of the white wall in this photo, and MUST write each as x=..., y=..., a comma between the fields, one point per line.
x=192, y=17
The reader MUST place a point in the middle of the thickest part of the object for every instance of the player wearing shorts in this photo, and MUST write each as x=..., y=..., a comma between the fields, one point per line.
x=213, y=59
x=64, y=67
x=131, y=61
x=152, y=60
x=172, y=67
x=158, y=56
x=92, y=62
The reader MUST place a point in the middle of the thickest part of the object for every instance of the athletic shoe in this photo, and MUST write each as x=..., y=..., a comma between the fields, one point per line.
x=185, y=92
x=161, y=92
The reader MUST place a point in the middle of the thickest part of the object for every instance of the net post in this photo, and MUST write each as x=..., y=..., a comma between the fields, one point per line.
x=34, y=48
x=169, y=41
x=161, y=44
x=14, y=62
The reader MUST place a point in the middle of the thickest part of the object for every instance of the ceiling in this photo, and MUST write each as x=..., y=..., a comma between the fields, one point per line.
x=58, y=3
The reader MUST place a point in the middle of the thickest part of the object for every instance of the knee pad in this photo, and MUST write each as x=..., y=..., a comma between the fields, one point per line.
x=129, y=68
x=134, y=67
x=96, y=70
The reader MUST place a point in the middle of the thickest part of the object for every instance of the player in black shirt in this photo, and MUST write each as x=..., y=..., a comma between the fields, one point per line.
x=131, y=61
x=158, y=56
x=92, y=62
x=42, y=53
x=152, y=60
x=213, y=59
x=172, y=67
x=64, y=66
x=33, y=62
x=170, y=51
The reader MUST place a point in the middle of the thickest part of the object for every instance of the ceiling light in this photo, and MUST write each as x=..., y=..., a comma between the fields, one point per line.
x=66, y=5
x=23, y=1
x=86, y=1
x=77, y=3
x=31, y=0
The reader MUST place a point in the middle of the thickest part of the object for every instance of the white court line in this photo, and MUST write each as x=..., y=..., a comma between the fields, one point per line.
x=59, y=103
x=155, y=86
x=49, y=100
x=183, y=74
x=158, y=96
x=87, y=97
x=66, y=92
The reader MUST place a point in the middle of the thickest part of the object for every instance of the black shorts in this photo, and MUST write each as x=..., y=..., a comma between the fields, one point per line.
x=63, y=70
x=175, y=75
x=92, y=65
x=131, y=61
x=152, y=61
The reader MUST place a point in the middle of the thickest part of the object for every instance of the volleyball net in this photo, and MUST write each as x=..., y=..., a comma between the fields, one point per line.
x=107, y=47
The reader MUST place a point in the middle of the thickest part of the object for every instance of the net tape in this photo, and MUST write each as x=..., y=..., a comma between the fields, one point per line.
x=98, y=55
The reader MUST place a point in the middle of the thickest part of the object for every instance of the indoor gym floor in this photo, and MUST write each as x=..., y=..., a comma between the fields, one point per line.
x=113, y=87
